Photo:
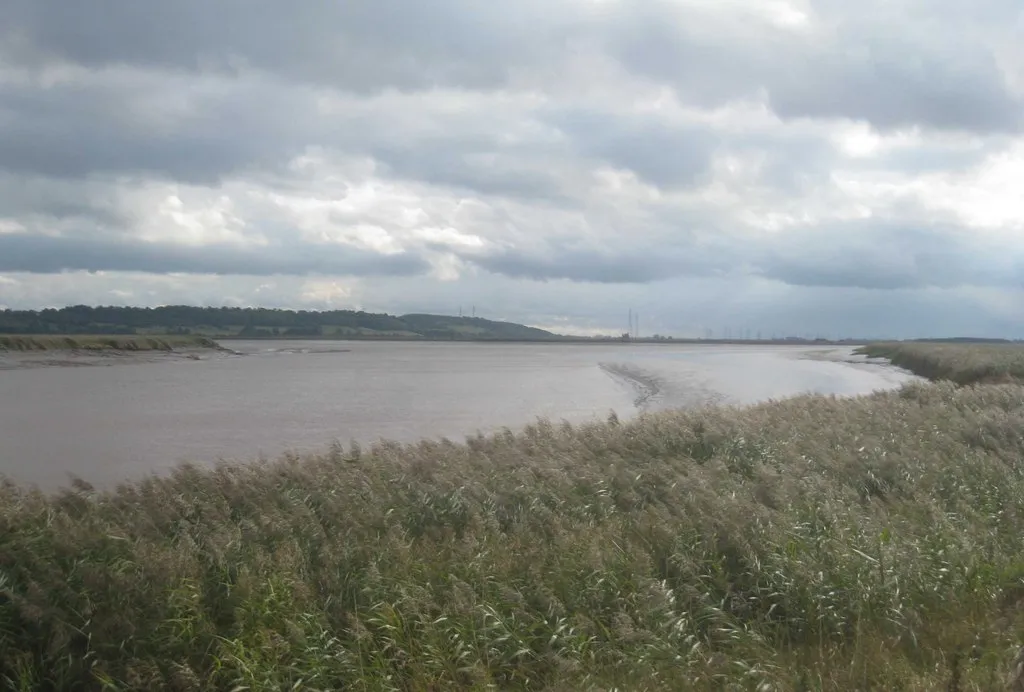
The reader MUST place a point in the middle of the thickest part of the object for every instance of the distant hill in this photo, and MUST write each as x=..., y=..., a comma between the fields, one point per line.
x=263, y=323
x=473, y=327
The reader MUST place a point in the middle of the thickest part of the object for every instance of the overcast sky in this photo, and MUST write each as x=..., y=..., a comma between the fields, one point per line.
x=783, y=166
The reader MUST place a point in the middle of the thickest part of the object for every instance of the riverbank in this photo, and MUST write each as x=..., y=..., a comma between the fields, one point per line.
x=58, y=342
x=811, y=543
x=19, y=352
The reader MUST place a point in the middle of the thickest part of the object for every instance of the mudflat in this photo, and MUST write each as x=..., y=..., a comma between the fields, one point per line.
x=34, y=351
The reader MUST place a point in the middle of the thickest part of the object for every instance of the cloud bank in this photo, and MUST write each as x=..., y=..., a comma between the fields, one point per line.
x=793, y=166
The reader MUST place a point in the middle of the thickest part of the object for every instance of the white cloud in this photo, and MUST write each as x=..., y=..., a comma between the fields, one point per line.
x=327, y=294
x=987, y=197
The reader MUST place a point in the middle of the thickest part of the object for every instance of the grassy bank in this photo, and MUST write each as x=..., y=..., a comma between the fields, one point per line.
x=54, y=342
x=814, y=543
x=960, y=363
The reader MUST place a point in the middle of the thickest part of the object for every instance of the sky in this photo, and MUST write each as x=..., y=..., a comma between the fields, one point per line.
x=806, y=167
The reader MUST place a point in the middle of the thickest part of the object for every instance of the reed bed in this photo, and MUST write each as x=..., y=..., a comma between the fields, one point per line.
x=966, y=363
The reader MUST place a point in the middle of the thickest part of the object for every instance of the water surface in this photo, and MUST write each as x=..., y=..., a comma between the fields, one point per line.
x=106, y=424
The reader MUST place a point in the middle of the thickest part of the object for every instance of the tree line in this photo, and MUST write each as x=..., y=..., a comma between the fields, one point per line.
x=258, y=322
x=79, y=319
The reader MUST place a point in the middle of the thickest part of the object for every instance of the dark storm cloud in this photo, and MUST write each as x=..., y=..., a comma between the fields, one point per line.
x=663, y=154
x=202, y=131
x=233, y=100
x=889, y=255
x=895, y=66
x=477, y=164
x=892, y=87
x=891, y=64
x=22, y=252
x=621, y=264
x=40, y=200
x=585, y=265
x=791, y=163
x=855, y=255
x=135, y=123
x=363, y=46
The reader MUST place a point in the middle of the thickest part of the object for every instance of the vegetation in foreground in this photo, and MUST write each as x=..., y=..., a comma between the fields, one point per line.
x=809, y=544
x=961, y=363
x=57, y=342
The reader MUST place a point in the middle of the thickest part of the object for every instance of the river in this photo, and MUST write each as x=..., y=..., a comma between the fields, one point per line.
x=107, y=424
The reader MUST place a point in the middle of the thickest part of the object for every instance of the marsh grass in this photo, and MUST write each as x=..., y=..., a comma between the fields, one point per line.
x=54, y=342
x=966, y=363
x=809, y=544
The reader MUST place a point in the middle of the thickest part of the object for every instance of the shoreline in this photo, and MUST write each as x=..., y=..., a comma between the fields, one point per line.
x=561, y=340
x=20, y=343
x=20, y=352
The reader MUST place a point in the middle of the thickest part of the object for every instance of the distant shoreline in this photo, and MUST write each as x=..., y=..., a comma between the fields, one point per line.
x=113, y=344
x=223, y=323
x=560, y=340
x=31, y=351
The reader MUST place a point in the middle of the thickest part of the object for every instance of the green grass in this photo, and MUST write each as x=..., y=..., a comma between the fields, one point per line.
x=809, y=544
x=960, y=363
x=48, y=342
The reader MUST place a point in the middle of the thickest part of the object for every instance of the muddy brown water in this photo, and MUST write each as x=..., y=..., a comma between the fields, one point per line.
x=107, y=424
